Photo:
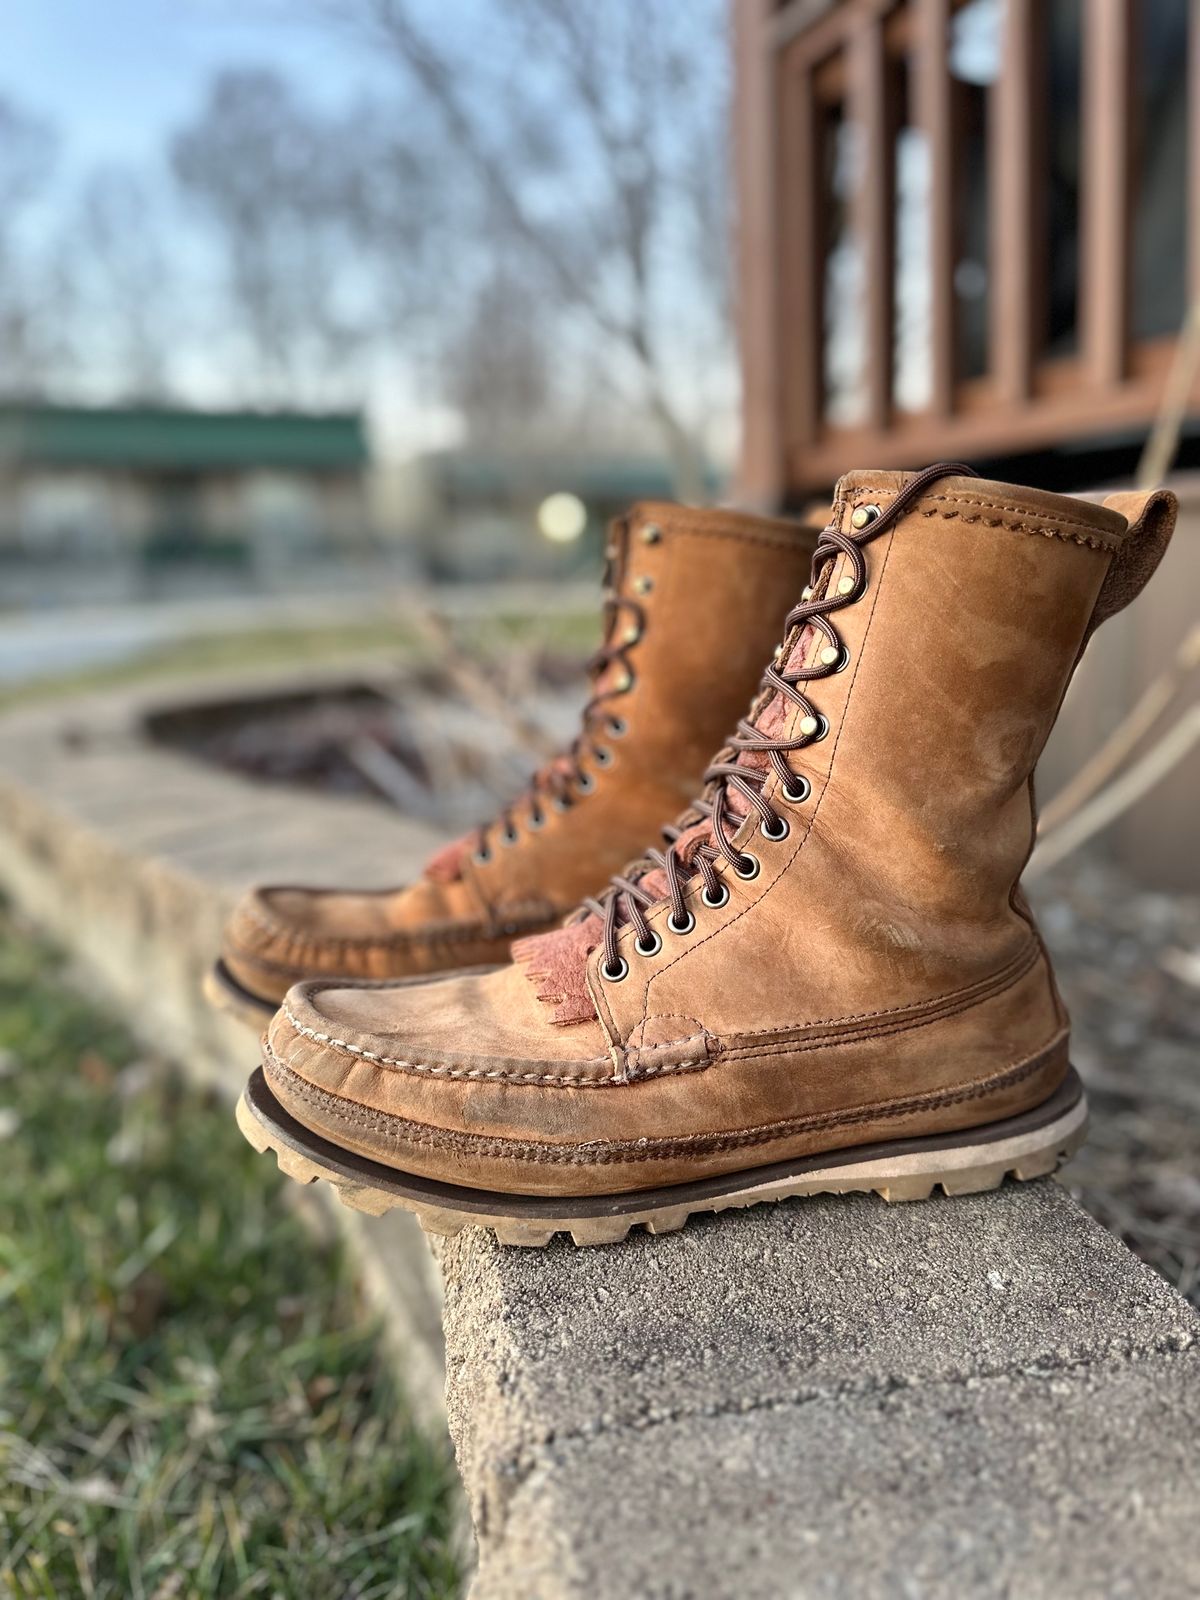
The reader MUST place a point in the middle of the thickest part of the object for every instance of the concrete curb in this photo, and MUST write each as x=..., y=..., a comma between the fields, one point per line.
x=985, y=1396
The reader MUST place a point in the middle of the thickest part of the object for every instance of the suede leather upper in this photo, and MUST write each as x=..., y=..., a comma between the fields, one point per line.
x=880, y=977
x=712, y=587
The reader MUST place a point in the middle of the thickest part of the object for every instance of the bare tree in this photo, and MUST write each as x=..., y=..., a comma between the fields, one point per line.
x=325, y=222
x=495, y=365
x=256, y=161
x=30, y=340
x=123, y=273
x=588, y=130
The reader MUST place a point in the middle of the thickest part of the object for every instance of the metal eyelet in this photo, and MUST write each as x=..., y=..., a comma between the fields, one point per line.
x=651, y=533
x=602, y=757
x=614, y=974
x=864, y=516
x=643, y=585
x=560, y=803
x=752, y=868
x=818, y=733
x=535, y=821
x=840, y=661
x=780, y=831
x=650, y=949
x=585, y=783
x=683, y=927
x=481, y=857
x=722, y=900
x=798, y=791
x=510, y=835
x=617, y=727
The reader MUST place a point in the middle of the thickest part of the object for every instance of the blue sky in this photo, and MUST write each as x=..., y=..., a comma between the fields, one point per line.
x=116, y=76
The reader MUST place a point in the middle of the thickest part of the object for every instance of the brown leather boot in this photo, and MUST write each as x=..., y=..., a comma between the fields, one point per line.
x=829, y=980
x=695, y=600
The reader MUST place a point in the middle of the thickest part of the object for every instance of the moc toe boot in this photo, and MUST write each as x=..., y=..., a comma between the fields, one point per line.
x=664, y=695
x=828, y=980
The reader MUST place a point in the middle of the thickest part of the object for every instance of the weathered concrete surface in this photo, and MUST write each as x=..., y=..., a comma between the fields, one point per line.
x=986, y=1396
x=130, y=855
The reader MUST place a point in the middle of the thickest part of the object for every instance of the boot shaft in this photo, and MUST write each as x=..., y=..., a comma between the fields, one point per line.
x=912, y=813
x=695, y=602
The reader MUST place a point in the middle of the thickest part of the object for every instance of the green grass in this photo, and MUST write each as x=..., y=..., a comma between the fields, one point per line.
x=192, y=1403
x=398, y=639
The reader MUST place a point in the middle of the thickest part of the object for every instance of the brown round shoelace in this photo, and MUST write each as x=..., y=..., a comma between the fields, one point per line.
x=625, y=901
x=563, y=777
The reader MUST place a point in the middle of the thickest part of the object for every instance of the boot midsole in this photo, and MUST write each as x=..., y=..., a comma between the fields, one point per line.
x=1059, y=1115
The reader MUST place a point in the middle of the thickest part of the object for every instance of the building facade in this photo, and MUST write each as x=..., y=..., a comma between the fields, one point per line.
x=155, y=487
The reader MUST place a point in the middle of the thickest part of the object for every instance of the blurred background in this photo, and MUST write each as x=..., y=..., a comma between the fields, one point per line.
x=332, y=334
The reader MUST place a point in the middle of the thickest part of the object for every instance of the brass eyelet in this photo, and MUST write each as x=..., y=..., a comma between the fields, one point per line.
x=686, y=926
x=614, y=974
x=722, y=900
x=751, y=868
x=650, y=949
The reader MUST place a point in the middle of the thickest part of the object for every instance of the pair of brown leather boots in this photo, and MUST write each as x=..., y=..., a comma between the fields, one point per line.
x=825, y=979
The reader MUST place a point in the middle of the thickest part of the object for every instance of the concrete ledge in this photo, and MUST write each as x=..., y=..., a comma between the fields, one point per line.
x=986, y=1396
x=981, y=1397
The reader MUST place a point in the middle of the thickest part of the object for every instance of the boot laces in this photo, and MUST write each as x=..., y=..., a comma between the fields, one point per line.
x=626, y=899
x=559, y=781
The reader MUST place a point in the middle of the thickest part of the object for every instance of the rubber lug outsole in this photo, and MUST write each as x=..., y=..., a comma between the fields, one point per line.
x=1031, y=1145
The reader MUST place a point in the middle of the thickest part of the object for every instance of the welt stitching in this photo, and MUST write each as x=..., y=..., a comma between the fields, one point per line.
x=418, y=1133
